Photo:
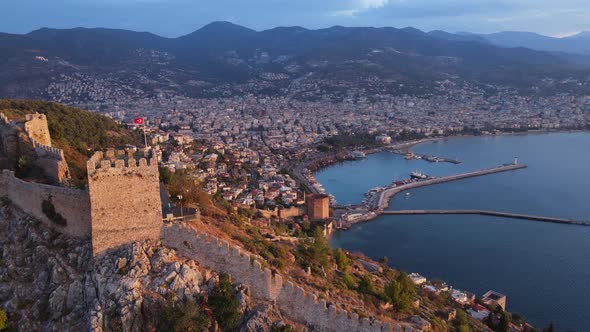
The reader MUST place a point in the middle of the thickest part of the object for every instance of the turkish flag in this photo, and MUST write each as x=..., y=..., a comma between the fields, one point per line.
x=138, y=121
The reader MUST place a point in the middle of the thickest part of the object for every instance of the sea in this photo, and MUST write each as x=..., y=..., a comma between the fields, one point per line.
x=543, y=268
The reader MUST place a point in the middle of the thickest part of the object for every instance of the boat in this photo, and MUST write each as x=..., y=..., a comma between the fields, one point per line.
x=418, y=175
x=357, y=155
x=407, y=194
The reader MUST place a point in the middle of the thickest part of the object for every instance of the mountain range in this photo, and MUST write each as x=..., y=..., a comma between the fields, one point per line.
x=222, y=52
x=575, y=44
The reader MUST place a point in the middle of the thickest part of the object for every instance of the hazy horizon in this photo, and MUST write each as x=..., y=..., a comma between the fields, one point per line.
x=173, y=18
x=301, y=26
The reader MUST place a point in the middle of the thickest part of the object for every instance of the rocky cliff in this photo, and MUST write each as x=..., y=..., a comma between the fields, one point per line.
x=49, y=282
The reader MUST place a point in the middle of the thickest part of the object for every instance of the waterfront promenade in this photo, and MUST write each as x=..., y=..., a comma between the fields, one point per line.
x=387, y=194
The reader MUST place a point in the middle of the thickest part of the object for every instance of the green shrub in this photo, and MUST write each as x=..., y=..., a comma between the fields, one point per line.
x=284, y=328
x=315, y=255
x=49, y=210
x=3, y=320
x=183, y=317
x=400, y=291
x=366, y=285
x=348, y=281
x=342, y=261
x=224, y=304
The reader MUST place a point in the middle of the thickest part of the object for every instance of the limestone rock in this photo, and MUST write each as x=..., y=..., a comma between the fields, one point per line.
x=57, y=302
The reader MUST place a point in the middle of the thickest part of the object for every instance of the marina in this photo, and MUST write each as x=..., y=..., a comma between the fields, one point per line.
x=377, y=199
x=517, y=258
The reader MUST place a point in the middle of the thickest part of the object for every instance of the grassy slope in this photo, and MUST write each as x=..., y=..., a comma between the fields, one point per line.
x=75, y=131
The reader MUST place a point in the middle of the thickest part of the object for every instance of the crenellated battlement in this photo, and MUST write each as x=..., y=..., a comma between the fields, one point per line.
x=37, y=128
x=36, y=145
x=122, y=201
x=124, y=197
x=294, y=301
x=46, y=151
x=35, y=116
x=120, y=161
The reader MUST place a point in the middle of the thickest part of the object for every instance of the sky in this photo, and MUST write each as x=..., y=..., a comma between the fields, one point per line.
x=173, y=18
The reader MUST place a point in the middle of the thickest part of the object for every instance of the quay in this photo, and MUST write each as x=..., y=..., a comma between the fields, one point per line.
x=387, y=194
x=490, y=213
x=429, y=158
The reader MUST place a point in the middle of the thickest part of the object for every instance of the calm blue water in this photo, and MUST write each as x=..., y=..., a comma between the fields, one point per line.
x=543, y=268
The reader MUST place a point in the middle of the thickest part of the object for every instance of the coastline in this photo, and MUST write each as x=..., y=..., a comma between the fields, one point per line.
x=369, y=210
x=388, y=199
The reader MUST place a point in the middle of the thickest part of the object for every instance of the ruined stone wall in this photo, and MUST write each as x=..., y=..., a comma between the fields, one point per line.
x=125, y=201
x=52, y=161
x=72, y=204
x=37, y=128
x=296, y=303
x=282, y=213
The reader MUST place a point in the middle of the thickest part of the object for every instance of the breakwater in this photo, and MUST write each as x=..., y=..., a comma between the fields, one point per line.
x=378, y=201
x=490, y=213
x=387, y=194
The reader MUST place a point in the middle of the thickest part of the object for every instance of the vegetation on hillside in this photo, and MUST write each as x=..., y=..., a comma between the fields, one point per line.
x=198, y=314
x=75, y=131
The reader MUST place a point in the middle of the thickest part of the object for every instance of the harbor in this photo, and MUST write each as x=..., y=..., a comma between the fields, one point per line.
x=377, y=199
x=385, y=195
x=460, y=248
x=430, y=158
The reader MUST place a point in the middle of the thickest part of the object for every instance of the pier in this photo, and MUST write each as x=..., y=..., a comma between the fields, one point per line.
x=387, y=194
x=379, y=201
x=490, y=213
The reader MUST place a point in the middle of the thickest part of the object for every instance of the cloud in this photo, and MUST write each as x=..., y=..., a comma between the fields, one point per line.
x=359, y=7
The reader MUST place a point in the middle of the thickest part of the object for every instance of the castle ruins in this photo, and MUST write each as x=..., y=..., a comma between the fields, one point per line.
x=31, y=140
x=121, y=204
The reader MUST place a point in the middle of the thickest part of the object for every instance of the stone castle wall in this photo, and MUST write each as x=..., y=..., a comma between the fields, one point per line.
x=37, y=128
x=293, y=211
x=52, y=161
x=298, y=304
x=72, y=204
x=125, y=201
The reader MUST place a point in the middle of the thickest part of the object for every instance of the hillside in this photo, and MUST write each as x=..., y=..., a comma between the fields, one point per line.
x=205, y=61
x=75, y=131
x=51, y=282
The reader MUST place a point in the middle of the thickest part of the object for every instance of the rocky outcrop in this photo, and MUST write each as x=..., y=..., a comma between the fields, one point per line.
x=129, y=286
x=41, y=274
x=49, y=282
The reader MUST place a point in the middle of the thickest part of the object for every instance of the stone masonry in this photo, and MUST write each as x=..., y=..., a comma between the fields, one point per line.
x=37, y=128
x=120, y=205
x=31, y=139
x=125, y=201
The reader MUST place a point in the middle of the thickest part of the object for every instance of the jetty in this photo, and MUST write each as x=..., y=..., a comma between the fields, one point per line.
x=490, y=213
x=388, y=193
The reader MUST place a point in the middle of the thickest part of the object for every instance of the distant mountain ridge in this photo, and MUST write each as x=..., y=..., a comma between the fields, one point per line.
x=575, y=44
x=225, y=52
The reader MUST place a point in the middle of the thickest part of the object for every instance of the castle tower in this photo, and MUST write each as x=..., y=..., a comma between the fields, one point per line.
x=318, y=207
x=125, y=203
x=37, y=128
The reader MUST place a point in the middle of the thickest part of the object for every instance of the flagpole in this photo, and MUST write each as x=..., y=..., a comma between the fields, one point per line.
x=144, y=135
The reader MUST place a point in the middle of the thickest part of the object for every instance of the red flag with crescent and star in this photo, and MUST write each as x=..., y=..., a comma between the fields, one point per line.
x=138, y=121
